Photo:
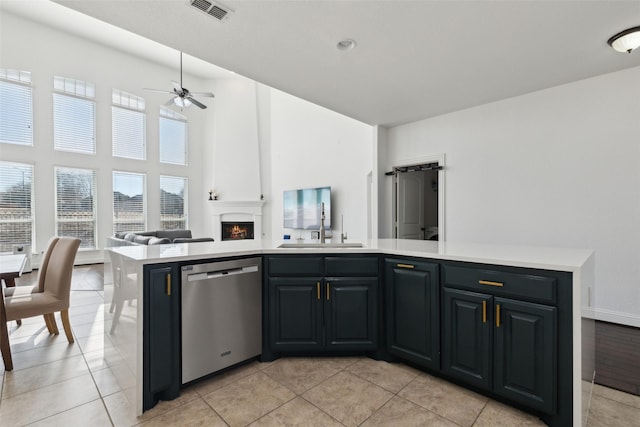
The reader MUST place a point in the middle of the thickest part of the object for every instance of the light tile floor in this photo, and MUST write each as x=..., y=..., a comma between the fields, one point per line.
x=58, y=384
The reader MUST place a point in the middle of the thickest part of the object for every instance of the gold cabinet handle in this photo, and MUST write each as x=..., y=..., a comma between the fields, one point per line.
x=484, y=312
x=169, y=284
x=490, y=283
x=318, y=289
x=405, y=266
x=497, y=315
x=328, y=291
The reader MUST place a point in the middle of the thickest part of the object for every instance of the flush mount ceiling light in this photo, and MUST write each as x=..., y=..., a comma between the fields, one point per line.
x=346, y=44
x=626, y=41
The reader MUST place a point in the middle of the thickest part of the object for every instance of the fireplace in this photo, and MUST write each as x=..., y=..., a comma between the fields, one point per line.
x=237, y=230
x=237, y=212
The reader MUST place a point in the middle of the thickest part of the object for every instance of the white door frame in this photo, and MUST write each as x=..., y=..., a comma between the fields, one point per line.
x=436, y=158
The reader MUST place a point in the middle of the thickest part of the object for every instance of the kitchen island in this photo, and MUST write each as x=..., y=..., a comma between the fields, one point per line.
x=132, y=267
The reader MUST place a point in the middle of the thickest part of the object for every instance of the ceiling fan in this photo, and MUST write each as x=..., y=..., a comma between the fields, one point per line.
x=182, y=97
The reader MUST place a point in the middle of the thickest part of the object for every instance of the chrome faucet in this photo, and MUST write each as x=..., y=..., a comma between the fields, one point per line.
x=321, y=231
x=343, y=234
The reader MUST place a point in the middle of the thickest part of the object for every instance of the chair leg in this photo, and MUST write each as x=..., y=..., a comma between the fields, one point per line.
x=116, y=316
x=46, y=322
x=4, y=339
x=67, y=326
x=53, y=323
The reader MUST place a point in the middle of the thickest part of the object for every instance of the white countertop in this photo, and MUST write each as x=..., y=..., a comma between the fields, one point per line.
x=560, y=259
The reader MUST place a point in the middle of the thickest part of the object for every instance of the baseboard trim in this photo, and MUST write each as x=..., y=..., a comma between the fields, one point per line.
x=612, y=316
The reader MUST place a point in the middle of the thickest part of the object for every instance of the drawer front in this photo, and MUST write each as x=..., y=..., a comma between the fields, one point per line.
x=295, y=266
x=352, y=266
x=408, y=264
x=528, y=286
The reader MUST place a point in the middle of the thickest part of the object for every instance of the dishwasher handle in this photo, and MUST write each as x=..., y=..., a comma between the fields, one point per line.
x=222, y=273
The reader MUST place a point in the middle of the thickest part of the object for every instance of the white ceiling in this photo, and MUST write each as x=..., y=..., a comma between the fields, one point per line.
x=413, y=59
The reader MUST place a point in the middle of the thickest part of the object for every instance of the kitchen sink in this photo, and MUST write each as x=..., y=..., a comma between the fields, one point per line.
x=319, y=245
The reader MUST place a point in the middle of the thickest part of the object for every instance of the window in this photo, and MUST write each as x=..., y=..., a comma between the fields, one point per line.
x=128, y=125
x=129, y=211
x=76, y=205
x=173, y=137
x=173, y=212
x=16, y=107
x=16, y=206
x=74, y=115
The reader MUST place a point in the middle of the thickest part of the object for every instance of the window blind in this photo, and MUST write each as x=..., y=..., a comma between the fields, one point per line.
x=173, y=141
x=76, y=205
x=128, y=133
x=173, y=212
x=74, y=124
x=129, y=207
x=16, y=113
x=16, y=205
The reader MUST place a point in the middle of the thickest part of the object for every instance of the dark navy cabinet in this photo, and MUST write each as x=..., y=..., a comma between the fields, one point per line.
x=295, y=313
x=161, y=340
x=467, y=334
x=350, y=312
x=525, y=354
x=318, y=303
x=412, y=309
x=504, y=345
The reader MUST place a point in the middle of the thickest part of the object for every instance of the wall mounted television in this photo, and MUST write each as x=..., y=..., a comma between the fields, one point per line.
x=302, y=208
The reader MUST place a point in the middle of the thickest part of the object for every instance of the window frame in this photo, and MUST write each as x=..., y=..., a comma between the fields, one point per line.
x=185, y=202
x=65, y=134
x=94, y=207
x=144, y=200
x=127, y=103
x=171, y=116
x=32, y=208
x=21, y=80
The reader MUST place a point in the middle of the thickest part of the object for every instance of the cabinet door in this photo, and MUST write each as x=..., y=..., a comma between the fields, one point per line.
x=525, y=353
x=295, y=315
x=351, y=313
x=413, y=315
x=466, y=339
x=162, y=341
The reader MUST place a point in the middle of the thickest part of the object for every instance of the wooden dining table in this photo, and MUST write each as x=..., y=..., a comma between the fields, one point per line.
x=11, y=267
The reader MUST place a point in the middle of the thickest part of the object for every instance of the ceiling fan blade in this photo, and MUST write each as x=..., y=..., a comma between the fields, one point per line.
x=205, y=94
x=157, y=90
x=197, y=103
x=169, y=102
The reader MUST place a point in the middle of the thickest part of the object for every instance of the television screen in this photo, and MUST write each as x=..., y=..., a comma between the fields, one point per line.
x=302, y=208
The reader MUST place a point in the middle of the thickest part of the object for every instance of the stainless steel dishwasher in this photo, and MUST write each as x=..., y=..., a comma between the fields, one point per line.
x=221, y=315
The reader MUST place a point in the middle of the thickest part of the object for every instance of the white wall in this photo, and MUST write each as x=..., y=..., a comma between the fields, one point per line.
x=236, y=165
x=381, y=200
x=559, y=167
x=314, y=147
x=46, y=52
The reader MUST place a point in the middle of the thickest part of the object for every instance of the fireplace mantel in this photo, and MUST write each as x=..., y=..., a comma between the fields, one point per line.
x=236, y=210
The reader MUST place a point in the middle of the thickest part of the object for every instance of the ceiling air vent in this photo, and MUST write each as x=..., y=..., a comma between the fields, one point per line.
x=212, y=9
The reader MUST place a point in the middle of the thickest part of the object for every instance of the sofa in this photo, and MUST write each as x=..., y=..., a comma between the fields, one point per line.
x=157, y=237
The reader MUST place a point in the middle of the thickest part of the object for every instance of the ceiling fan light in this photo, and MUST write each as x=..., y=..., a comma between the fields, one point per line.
x=626, y=41
x=182, y=102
